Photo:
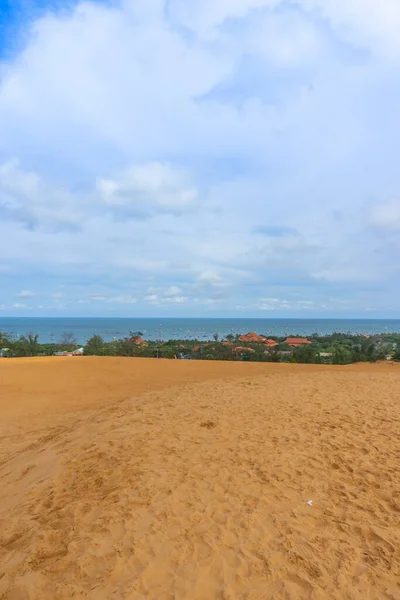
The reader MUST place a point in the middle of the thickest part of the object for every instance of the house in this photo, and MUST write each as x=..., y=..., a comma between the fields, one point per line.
x=138, y=341
x=296, y=342
x=251, y=337
x=243, y=349
x=281, y=353
x=198, y=348
x=270, y=343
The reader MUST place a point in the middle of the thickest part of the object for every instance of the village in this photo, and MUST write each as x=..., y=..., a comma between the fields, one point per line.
x=337, y=348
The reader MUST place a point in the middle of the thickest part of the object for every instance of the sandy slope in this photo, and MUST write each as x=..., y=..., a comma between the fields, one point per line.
x=170, y=480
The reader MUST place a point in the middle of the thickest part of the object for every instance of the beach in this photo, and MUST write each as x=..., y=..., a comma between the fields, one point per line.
x=198, y=480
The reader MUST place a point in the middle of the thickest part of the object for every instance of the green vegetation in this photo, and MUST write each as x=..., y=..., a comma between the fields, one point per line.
x=29, y=345
x=338, y=348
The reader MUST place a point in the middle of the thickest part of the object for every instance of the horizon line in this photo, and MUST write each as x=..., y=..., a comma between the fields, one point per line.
x=207, y=318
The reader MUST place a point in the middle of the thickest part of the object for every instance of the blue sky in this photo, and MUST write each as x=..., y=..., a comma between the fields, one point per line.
x=200, y=158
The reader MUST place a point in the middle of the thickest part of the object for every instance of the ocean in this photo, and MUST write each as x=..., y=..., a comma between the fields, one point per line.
x=51, y=329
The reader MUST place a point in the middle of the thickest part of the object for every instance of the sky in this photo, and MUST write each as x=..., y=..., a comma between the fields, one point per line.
x=200, y=158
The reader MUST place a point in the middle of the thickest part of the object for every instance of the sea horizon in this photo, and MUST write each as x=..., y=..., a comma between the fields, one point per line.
x=51, y=329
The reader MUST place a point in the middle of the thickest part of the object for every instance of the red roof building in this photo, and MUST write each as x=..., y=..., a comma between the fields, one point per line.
x=251, y=337
x=295, y=342
x=270, y=343
x=139, y=341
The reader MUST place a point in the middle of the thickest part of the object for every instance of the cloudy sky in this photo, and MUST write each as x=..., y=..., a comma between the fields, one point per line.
x=200, y=158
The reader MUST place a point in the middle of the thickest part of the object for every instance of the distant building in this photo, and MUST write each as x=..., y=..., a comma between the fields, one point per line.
x=251, y=337
x=296, y=342
x=254, y=338
x=139, y=341
x=243, y=349
x=270, y=343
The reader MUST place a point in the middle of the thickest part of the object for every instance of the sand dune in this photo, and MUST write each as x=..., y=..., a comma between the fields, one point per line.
x=178, y=480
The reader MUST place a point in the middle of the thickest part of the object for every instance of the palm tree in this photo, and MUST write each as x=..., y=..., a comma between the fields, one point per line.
x=30, y=344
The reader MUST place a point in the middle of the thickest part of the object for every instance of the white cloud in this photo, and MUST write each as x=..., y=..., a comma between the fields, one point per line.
x=273, y=304
x=110, y=299
x=145, y=181
x=146, y=188
x=25, y=197
x=123, y=300
x=364, y=22
x=19, y=305
x=386, y=216
x=206, y=15
x=26, y=294
x=172, y=291
x=165, y=296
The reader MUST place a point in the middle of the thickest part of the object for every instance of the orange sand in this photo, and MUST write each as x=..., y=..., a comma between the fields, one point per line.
x=178, y=480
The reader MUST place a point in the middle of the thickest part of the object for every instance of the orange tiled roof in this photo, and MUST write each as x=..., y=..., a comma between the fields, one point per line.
x=139, y=341
x=270, y=343
x=251, y=337
x=297, y=341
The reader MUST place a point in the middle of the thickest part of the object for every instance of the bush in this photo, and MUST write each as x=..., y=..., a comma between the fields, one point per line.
x=26, y=345
x=396, y=355
x=94, y=346
x=305, y=354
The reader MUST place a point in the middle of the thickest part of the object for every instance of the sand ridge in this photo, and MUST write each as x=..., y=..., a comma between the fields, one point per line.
x=129, y=478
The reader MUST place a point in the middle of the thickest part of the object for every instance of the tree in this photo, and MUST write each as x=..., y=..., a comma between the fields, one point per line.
x=230, y=337
x=94, y=346
x=305, y=354
x=273, y=355
x=342, y=356
x=396, y=354
x=68, y=340
x=285, y=347
x=4, y=339
x=216, y=337
x=128, y=346
x=28, y=345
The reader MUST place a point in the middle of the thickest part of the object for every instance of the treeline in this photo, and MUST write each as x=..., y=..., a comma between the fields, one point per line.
x=29, y=345
x=338, y=348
